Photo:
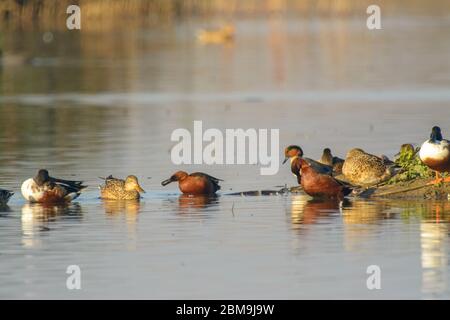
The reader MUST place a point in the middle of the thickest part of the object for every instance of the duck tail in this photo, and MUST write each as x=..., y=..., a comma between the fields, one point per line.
x=5, y=195
x=72, y=185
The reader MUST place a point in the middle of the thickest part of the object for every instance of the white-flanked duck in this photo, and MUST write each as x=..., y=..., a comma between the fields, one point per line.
x=435, y=153
x=45, y=189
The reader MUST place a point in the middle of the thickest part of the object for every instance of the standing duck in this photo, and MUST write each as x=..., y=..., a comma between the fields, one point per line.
x=365, y=169
x=319, y=185
x=45, y=189
x=294, y=153
x=194, y=183
x=4, y=196
x=435, y=153
x=118, y=189
x=335, y=162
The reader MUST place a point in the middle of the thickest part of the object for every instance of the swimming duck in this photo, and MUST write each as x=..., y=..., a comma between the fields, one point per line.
x=194, y=183
x=319, y=185
x=118, y=189
x=45, y=189
x=366, y=169
x=435, y=154
x=335, y=162
x=293, y=153
x=223, y=34
x=5, y=195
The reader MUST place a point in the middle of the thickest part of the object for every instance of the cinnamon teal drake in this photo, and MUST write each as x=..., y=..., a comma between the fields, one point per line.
x=45, y=189
x=118, y=189
x=293, y=153
x=4, y=196
x=364, y=169
x=194, y=183
x=319, y=185
x=435, y=154
x=335, y=162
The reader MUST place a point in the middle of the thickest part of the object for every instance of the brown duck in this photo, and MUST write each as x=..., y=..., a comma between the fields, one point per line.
x=194, y=183
x=319, y=185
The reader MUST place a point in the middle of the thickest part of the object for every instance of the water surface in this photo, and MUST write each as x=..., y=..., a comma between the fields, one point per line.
x=91, y=104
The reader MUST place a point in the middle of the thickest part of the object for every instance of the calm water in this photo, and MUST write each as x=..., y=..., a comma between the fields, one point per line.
x=86, y=105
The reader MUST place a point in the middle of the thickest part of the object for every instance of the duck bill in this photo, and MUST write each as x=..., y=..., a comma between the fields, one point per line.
x=285, y=159
x=139, y=189
x=166, y=182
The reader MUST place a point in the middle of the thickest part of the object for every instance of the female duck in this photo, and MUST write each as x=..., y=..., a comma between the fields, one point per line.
x=435, y=153
x=5, y=195
x=335, y=162
x=118, y=189
x=45, y=189
x=320, y=185
x=365, y=169
x=194, y=183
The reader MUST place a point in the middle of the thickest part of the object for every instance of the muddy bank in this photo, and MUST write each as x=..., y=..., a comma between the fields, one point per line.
x=415, y=189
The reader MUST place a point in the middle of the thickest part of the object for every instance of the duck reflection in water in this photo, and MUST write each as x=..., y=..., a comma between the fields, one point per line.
x=130, y=208
x=196, y=203
x=434, y=238
x=305, y=210
x=38, y=217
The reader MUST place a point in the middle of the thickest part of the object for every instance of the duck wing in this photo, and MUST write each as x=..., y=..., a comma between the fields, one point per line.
x=201, y=174
x=319, y=167
x=69, y=185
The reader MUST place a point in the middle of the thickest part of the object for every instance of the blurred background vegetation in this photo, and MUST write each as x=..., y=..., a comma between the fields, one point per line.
x=98, y=14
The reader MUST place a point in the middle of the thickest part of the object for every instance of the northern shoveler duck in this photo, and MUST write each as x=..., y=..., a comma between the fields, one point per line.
x=435, y=153
x=366, y=169
x=194, y=183
x=220, y=35
x=45, y=189
x=118, y=189
x=335, y=162
x=5, y=195
x=293, y=153
x=319, y=185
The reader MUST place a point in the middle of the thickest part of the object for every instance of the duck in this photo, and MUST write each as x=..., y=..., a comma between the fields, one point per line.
x=319, y=185
x=435, y=154
x=118, y=189
x=220, y=35
x=5, y=195
x=335, y=162
x=195, y=183
x=294, y=152
x=364, y=169
x=407, y=150
x=45, y=189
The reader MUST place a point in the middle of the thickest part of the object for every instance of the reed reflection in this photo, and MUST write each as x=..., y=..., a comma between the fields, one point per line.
x=37, y=218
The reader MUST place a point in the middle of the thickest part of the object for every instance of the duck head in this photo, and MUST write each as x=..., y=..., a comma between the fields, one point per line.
x=177, y=176
x=41, y=177
x=292, y=151
x=436, y=134
x=132, y=184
